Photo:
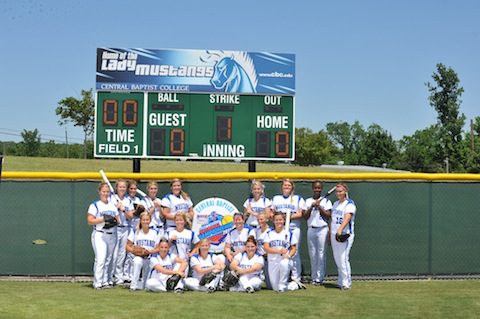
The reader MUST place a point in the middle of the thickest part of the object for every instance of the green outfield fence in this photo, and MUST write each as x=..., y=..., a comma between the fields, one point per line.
x=406, y=223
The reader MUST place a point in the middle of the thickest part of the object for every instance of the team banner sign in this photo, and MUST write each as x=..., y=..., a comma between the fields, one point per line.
x=213, y=219
x=202, y=71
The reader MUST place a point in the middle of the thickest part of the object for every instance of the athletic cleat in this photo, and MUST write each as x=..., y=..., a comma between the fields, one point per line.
x=210, y=290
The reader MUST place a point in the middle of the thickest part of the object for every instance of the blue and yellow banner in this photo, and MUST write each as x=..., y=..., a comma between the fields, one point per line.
x=203, y=71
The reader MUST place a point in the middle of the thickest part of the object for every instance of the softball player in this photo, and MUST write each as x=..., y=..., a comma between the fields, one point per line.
x=256, y=204
x=175, y=202
x=132, y=224
x=154, y=208
x=248, y=266
x=103, y=240
x=280, y=245
x=260, y=234
x=165, y=264
x=343, y=217
x=318, y=215
x=236, y=238
x=181, y=238
x=147, y=238
x=295, y=204
x=125, y=215
x=202, y=263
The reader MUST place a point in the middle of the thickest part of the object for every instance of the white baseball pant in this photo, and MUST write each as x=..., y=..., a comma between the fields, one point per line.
x=103, y=243
x=341, y=254
x=317, y=250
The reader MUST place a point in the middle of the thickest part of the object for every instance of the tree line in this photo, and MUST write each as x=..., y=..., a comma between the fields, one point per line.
x=443, y=146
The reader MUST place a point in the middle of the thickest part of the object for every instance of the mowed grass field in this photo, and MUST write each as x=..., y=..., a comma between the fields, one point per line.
x=44, y=164
x=368, y=299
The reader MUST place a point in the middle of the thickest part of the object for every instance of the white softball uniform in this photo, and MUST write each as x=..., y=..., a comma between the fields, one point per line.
x=257, y=206
x=261, y=235
x=252, y=280
x=293, y=203
x=279, y=267
x=238, y=239
x=141, y=265
x=157, y=222
x=193, y=283
x=183, y=243
x=132, y=224
x=103, y=243
x=120, y=253
x=158, y=281
x=176, y=204
x=341, y=251
x=317, y=239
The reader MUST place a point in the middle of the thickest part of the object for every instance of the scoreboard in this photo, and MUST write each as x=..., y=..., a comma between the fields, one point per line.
x=194, y=125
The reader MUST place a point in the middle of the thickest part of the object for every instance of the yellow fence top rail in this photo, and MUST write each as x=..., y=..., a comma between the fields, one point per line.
x=242, y=176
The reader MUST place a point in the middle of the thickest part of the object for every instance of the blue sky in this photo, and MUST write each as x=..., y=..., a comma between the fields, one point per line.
x=355, y=60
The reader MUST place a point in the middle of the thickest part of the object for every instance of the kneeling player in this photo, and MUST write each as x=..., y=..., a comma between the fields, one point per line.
x=248, y=265
x=280, y=247
x=166, y=265
x=207, y=269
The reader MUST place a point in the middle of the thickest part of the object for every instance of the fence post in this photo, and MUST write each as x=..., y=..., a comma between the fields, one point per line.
x=1, y=164
x=430, y=225
x=72, y=226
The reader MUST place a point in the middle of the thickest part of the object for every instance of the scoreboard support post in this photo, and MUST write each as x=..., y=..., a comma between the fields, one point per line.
x=252, y=166
x=136, y=165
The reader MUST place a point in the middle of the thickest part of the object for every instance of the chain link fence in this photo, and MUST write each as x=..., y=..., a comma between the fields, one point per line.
x=403, y=229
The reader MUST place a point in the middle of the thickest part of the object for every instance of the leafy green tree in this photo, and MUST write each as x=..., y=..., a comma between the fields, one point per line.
x=79, y=112
x=50, y=149
x=444, y=97
x=348, y=138
x=419, y=152
x=311, y=148
x=31, y=142
x=377, y=148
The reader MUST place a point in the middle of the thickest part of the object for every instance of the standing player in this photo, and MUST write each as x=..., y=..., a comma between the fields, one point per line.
x=103, y=239
x=237, y=238
x=256, y=203
x=175, y=202
x=154, y=208
x=318, y=215
x=343, y=217
x=202, y=263
x=125, y=215
x=142, y=243
x=280, y=245
x=181, y=239
x=132, y=225
x=260, y=233
x=164, y=265
x=289, y=202
x=248, y=265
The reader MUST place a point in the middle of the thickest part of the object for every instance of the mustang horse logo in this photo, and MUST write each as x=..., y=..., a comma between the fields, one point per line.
x=234, y=72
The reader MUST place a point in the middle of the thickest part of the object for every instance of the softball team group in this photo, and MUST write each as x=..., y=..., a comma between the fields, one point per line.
x=145, y=250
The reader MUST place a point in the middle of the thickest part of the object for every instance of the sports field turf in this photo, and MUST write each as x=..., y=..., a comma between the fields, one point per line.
x=367, y=299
